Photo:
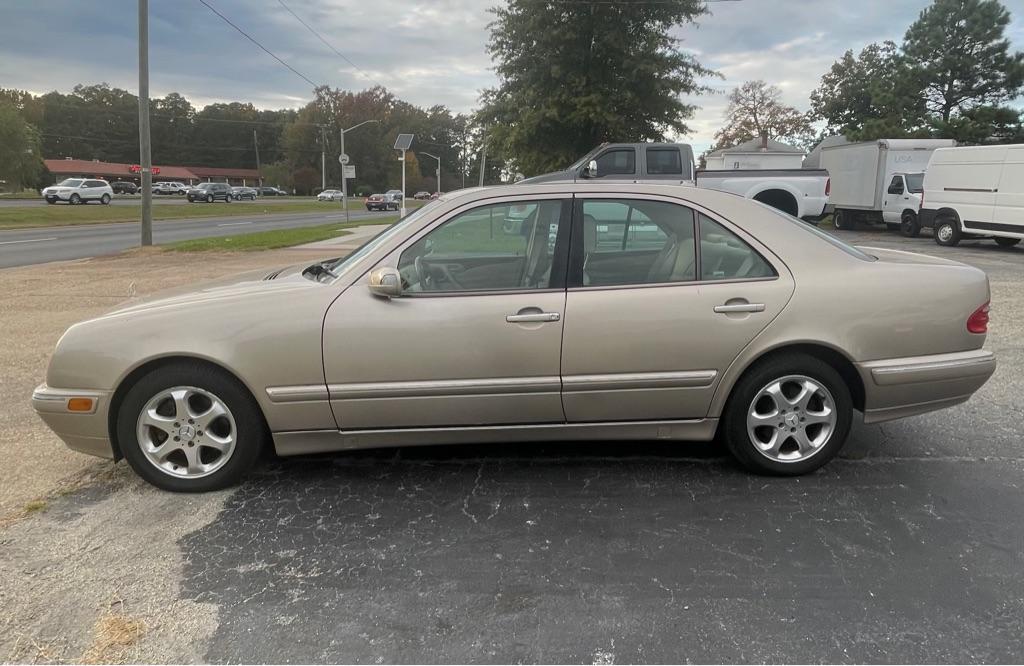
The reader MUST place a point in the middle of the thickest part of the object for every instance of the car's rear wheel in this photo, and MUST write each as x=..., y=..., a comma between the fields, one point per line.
x=75, y=200
x=787, y=416
x=947, y=232
x=909, y=225
x=1003, y=241
x=227, y=199
x=190, y=428
x=105, y=199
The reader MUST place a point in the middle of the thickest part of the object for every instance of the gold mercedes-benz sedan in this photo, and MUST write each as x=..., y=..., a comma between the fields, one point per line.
x=570, y=311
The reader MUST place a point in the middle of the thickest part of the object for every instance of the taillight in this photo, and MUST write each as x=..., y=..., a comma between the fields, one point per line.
x=978, y=321
x=828, y=186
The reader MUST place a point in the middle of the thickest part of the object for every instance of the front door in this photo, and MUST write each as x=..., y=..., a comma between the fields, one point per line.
x=476, y=337
x=652, y=322
x=895, y=201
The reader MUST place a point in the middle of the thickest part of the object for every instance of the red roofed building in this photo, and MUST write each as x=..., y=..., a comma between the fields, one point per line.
x=71, y=168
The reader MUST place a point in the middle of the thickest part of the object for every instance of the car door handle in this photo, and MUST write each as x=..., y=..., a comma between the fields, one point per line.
x=740, y=307
x=532, y=317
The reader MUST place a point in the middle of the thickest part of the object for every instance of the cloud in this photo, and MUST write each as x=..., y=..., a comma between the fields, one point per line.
x=427, y=52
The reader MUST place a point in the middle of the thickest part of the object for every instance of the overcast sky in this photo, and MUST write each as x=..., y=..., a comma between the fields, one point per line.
x=428, y=53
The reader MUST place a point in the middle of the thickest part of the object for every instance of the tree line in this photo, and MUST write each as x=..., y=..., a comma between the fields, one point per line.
x=570, y=75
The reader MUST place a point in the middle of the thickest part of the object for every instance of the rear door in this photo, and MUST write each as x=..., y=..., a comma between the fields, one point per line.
x=652, y=325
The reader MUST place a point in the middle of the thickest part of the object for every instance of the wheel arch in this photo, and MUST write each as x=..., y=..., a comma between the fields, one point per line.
x=835, y=358
x=777, y=196
x=947, y=212
x=138, y=372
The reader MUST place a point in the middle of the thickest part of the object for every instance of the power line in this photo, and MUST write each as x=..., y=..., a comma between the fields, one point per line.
x=328, y=44
x=254, y=41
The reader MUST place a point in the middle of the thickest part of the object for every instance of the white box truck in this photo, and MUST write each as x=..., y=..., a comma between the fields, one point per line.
x=879, y=181
x=975, y=192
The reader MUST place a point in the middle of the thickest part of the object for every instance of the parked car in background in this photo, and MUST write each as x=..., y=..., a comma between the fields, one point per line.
x=975, y=191
x=272, y=192
x=124, y=187
x=210, y=192
x=436, y=195
x=79, y=191
x=170, y=187
x=729, y=308
x=395, y=197
x=421, y=196
x=377, y=202
x=863, y=173
x=240, y=192
x=329, y=195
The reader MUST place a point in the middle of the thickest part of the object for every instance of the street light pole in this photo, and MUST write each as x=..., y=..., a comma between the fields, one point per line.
x=145, y=152
x=438, y=170
x=344, y=180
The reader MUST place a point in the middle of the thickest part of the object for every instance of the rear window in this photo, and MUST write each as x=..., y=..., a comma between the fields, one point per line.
x=661, y=161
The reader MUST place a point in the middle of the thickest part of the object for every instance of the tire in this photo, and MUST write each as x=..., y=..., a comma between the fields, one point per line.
x=74, y=200
x=947, y=232
x=209, y=198
x=1003, y=241
x=105, y=200
x=910, y=226
x=840, y=221
x=227, y=199
x=201, y=385
x=831, y=396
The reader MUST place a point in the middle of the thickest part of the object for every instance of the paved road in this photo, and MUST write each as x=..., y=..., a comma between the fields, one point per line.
x=131, y=201
x=22, y=247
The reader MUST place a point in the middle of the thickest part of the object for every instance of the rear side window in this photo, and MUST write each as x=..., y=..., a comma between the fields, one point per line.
x=664, y=161
x=725, y=256
x=616, y=162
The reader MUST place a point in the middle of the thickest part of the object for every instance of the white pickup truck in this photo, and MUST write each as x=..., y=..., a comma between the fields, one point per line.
x=800, y=192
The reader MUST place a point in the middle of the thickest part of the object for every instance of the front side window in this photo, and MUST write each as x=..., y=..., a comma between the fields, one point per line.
x=725, y=256
x=628, y=242
x=896, y=186
x=664, y=161
x=497, y=247
x=616, y=162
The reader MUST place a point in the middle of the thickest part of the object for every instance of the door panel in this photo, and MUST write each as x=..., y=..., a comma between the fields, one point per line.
x=658, y=351
x=439, y=361
x=1009, y=209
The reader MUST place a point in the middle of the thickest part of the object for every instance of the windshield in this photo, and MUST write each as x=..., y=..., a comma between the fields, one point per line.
x=70, y=182
x=915, y=182
x=339, y=266
x=828, y=238
x=205, y=186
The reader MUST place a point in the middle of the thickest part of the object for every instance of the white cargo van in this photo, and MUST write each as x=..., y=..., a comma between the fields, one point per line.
x=975, y=191
x=873, y=181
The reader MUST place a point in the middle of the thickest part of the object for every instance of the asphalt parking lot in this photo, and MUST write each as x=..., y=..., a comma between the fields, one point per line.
x=907, y=548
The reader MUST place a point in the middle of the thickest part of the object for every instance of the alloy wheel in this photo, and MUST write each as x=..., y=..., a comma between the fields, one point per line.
x=186, y=432
x=945, y=232
x=791, y=418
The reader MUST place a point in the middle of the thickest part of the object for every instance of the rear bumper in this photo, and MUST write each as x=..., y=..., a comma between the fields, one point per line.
x=85, y=432
x=899, y=387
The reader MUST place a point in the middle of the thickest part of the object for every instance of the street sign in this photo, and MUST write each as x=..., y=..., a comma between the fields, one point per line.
x=343, y=159
x=403, y=142
x=350, y=170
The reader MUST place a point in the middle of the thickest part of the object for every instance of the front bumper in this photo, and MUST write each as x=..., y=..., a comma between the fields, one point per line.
x=85, y=432
x=900, y=387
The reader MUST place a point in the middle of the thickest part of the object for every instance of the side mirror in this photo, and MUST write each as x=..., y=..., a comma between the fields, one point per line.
x=386, y=282
x=590, y=171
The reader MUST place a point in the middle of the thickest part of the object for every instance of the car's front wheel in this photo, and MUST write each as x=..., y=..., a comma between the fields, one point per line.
x=209, y=198
x=105, y=199
x=909, y=225
x=75, y=200
x=190, y=427
x=787, y=416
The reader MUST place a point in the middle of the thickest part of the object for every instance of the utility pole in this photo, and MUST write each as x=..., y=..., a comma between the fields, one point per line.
x=323, y=158
x=256, y=144
x=145, y=152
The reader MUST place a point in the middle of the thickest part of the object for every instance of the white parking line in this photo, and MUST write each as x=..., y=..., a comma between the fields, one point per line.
x=233, y=224
x=30, y=240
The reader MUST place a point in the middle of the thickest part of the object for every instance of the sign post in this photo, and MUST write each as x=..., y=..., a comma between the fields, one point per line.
x=402, y=143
